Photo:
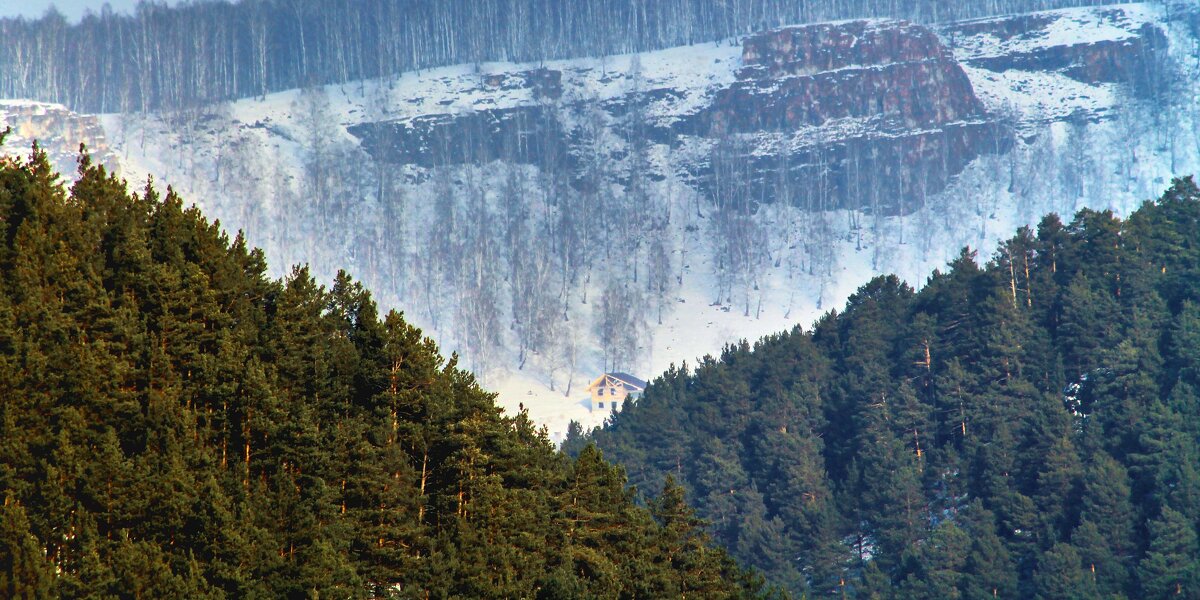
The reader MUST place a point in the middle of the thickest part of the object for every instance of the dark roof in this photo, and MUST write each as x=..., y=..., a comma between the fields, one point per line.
x=630, y=379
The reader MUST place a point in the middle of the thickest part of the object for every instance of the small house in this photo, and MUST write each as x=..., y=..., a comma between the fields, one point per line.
x=610, y=390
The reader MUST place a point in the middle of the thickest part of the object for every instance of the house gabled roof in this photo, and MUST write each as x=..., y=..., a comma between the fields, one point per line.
x=627, y=381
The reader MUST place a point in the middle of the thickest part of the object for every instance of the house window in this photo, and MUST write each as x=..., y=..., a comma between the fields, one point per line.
x=601, y=392
x=601, y=405
x=612, y=391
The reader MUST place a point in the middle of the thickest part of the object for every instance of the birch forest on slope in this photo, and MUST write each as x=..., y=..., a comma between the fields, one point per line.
x=164, y=57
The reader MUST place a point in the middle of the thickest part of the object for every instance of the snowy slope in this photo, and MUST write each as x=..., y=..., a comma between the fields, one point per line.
x=1001, y=56
x=1069, y=27
x=248, y=163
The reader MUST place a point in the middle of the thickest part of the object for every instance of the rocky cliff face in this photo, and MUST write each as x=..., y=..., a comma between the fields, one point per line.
x=57, y=130
x=807, y=76
x=878, y=114
x=855, y=114
x=520, y=135
x=811, y=49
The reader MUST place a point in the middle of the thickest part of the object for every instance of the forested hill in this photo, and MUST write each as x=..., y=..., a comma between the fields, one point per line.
x=210, y=50
x=1025, y=429
x=175, y=425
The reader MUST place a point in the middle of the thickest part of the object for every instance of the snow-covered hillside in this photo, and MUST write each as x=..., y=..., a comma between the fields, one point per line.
x=632, y=228
x=1032, y=64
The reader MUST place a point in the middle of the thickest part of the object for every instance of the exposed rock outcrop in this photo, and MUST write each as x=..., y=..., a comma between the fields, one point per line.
x=867, y=114
x=57, y=130
x=871, y=113
x=1029, y=43
x=811, y=49
x=522, y=135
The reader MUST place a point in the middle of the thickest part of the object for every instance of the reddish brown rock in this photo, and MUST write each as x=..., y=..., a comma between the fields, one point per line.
x=871, y=114
x=920, y=93
x=810, y=49
x=809, y=75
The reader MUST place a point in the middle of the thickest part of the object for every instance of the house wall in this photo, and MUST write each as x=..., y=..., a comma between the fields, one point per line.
x=609, y=397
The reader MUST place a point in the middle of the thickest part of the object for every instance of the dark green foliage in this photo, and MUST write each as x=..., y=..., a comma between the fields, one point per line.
x=1060, y=575
x=1106, y=505
x=173, y=424
x=25, y=573
x=1171, y=568
x=939, y=568
x=1028, y=428
x=990, y=569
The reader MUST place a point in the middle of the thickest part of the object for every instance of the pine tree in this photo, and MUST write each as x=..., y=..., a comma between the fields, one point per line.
x=889, y=488
x=1106, y=503
x=990, y=572
x=1058, y=485
x=25, y=573
x=1084, y=325
x=1102, y=566
x=1060, y=576
x=943, y=562
x=1170, y=568
x=692, y=568
x=797, y=485
x=598, y=524
x=141, y=571
x=574, y=442
x=1185, y=344
x=873, y=584
x=763, y=541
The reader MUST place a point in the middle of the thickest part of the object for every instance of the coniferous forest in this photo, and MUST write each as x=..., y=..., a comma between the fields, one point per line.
x=173, y=424
x=1028, y=428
